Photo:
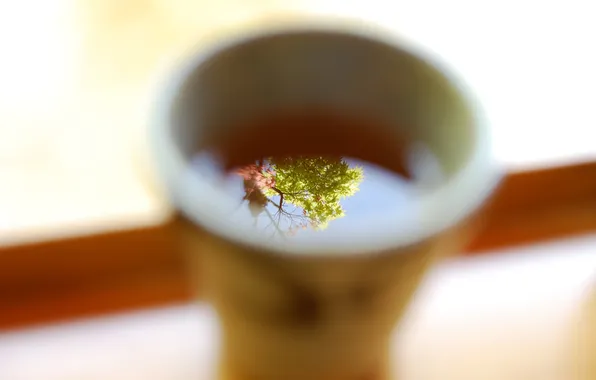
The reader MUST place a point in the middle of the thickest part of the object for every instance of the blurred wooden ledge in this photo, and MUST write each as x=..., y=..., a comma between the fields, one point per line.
x=84, y=276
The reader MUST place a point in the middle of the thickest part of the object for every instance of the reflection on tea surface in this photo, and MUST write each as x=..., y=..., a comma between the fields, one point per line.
x=315, y=197
x=303, y=191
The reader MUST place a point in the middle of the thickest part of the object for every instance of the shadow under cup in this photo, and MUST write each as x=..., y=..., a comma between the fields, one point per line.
x=323, y=310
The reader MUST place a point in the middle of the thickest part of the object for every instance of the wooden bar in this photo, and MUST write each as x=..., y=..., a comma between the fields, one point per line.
x=71, y=278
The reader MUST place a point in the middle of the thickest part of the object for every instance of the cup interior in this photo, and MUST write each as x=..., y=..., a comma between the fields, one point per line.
x=413, y=99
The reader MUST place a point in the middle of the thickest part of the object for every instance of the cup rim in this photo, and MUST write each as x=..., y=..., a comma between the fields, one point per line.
x=459, y=196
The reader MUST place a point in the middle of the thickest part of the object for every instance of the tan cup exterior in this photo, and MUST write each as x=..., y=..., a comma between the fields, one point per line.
x=309, y=318
x=328, y=316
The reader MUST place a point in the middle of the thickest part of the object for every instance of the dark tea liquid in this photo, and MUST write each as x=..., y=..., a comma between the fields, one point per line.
x=317, y=176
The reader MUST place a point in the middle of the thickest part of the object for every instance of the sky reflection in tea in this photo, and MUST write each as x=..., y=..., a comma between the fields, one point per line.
x=314, y=198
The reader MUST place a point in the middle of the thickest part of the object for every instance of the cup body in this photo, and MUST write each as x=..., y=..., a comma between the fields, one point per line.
x=319, y=311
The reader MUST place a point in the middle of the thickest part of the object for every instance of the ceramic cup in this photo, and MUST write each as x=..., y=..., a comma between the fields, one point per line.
x=324, y=310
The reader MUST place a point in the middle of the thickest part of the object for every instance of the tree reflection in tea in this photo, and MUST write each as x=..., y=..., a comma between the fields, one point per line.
x=304, y=191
